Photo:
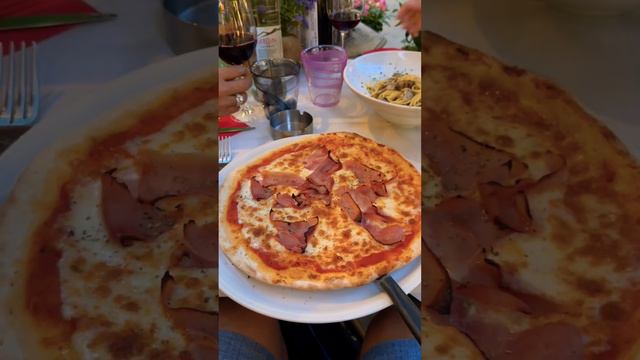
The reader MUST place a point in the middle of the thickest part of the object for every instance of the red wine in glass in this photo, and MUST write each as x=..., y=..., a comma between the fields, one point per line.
x=345, y=20
x=236, y=48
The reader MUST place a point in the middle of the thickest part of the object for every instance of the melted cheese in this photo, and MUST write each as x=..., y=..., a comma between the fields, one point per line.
x=194, y=289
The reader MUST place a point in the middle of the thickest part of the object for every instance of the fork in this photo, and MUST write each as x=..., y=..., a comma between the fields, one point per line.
x=19, y=93
x=224, y=150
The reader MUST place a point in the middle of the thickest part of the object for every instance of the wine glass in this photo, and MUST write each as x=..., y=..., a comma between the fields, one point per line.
x=344, y=15
x=237, y=34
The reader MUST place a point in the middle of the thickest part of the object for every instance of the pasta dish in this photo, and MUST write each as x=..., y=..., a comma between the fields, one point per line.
x=401, y=89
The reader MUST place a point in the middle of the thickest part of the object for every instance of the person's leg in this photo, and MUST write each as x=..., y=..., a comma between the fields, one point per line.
x=236, y=320
x=388, y=337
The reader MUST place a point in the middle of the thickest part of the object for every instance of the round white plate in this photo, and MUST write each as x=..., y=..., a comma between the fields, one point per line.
x=76, y=112
x=299, y=305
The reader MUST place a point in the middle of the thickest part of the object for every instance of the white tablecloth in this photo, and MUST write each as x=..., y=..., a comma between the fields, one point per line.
x=349, y=115
x=597, y=59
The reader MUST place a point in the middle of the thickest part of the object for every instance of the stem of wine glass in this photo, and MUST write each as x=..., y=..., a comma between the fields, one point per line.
x=343, y=35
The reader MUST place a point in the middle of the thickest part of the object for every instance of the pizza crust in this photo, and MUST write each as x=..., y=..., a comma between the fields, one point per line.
x=245, y=259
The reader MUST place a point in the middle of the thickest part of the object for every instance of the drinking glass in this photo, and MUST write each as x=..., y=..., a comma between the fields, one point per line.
x=237, y=34
x=344, y=15
x=323, y=66
x=277, y=83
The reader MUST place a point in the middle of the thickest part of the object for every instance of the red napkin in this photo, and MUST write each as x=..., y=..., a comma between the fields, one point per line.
x=38, y=7
x=230, y=121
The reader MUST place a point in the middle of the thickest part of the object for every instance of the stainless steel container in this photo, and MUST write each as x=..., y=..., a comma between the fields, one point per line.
x=290, y=123
x=190, y=24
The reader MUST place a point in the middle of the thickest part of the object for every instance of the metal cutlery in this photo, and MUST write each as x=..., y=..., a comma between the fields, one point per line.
x=19, y=89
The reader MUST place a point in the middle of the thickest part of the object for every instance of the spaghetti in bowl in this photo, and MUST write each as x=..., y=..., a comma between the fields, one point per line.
x=386, y=73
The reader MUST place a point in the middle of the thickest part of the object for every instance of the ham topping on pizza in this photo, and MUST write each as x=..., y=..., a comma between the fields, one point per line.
x=200, y=242
x=258, y=191
x=286, y=201
x=365, y=175
x=126, y=219
x=293, y=235
x=381, y=228
x=157, y=175
x=322, y=166
x=462, y=162
x=273, y=178
x=507, y=205
x=346, y=202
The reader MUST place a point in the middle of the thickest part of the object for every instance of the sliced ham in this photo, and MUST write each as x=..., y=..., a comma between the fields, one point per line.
x=462, y=162
x=365, y=174
x=127, y=219
x=200, y=240
x=379, y=188
x=457, y=230
x=316, y=158
x=285, y=201
x=507, y=205
x=164, y=175
x=258, y=191
x=349, y=206
x=293, y=235
x=309, y=195
x=322, y=166
x=273, y=178
x=364, y=197
x=381, y=228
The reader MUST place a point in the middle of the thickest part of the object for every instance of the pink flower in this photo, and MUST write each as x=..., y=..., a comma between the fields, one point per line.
x=356, y=3
x=383, y=5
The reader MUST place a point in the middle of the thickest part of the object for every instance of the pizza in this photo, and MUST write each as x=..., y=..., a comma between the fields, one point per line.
x=108, y=241
x=327, y=211
x=532, y=216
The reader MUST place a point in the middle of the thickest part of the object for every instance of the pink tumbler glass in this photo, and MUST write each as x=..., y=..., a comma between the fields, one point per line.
x=323, y=66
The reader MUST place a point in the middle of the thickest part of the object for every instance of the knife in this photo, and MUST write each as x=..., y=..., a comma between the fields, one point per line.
x=407, y=309
x=37, y=21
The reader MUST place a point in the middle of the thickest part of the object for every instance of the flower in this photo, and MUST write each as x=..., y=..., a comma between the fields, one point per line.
x=374, y=14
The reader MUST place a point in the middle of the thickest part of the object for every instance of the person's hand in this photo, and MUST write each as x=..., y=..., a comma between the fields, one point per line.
x=410, y=16
x=230, y=86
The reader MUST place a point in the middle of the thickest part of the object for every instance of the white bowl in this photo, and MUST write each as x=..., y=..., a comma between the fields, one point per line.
x=381, y=65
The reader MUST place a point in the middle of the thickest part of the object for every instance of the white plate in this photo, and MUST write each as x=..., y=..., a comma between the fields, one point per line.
x=299, y=305
x=74, y=113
